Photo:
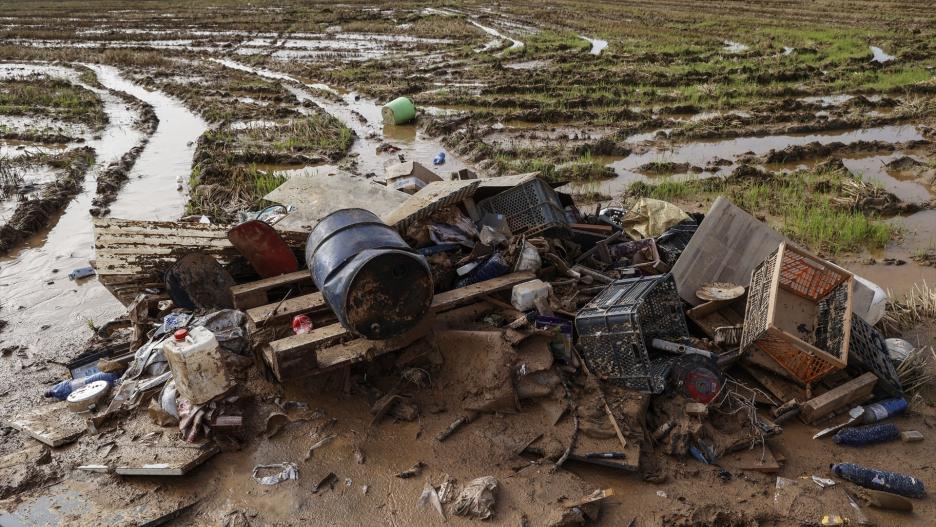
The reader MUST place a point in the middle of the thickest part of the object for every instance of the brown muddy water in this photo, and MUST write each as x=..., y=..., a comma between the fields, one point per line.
x=41, y=304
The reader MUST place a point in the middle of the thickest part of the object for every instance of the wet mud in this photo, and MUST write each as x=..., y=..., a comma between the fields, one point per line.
x=501, y=90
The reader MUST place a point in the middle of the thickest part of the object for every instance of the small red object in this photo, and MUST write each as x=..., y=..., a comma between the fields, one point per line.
x=180, y=334
x=301, y=324
x=701, y=385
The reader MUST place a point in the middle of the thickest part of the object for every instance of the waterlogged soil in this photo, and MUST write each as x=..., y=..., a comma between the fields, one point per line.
x=497, y=86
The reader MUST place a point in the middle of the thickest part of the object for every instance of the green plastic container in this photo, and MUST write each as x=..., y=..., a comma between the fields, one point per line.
x=399, y=111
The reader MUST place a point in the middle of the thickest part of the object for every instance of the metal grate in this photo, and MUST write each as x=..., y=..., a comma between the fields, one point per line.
x=530, y=208
x=867, y=351
x=615, y=330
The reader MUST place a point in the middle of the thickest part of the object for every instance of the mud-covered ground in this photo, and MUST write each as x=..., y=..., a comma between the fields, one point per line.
x=818, y=117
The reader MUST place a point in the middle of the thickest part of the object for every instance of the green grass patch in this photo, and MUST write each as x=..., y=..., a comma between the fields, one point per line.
x=798, y=204
x=51, y=98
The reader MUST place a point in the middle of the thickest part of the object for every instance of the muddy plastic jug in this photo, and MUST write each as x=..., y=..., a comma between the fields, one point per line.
x=197, y=366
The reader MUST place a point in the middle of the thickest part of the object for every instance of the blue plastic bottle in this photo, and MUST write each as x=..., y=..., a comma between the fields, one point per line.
x=883, y=480
x=884, y=409
x=492, y=268
x=61, y=390
x=439, y=159
x=867, y=435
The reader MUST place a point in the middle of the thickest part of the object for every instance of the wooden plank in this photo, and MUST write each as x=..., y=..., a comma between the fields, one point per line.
x=254, y=294
x=52, y=424
x=265, y=316
x=849, y=393
x=134, y=253
x=299, y=354
x=171, y=461
x=780, y=388
x=456, y=297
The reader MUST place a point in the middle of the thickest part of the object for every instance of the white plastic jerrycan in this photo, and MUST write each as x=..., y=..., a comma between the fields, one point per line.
x=197, y=366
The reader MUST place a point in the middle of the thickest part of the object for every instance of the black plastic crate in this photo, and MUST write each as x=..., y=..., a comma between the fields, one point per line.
x=867, y=351
x=530, y=208
x=616, y=328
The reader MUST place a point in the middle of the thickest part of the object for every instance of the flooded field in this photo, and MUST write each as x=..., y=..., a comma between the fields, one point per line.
x=161, y=111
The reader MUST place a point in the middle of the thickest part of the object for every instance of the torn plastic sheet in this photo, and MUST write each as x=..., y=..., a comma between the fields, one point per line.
x=288, y=470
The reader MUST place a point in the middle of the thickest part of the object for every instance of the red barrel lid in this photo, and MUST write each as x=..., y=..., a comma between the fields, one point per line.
x=180, y=334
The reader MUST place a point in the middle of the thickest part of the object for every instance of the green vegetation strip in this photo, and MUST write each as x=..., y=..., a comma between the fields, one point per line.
x=797, y=203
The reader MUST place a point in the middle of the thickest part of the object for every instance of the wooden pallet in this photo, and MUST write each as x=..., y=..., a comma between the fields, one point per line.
x=329, y=347
x=254, y=294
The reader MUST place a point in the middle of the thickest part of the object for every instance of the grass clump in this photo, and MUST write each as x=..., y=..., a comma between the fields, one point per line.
x=51, y=98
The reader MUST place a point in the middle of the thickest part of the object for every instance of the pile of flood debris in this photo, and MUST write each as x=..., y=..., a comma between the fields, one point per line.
x=633, y=329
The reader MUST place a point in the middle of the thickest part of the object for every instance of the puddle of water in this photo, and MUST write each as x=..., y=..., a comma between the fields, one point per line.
x=735, y=47
x=166, y=159
x=528, y=65
x=880, y=56
x=917, y=233
x=498, y=38
x=11, y=148
x=700, y=153
x=828, y=101
x=872, y=169
x=414, y=145
x=597, y=45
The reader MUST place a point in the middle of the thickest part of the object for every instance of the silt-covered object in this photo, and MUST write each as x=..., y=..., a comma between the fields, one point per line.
x=375, y=283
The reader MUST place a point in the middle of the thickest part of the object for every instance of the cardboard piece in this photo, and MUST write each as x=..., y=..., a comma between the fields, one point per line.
x=318, y=191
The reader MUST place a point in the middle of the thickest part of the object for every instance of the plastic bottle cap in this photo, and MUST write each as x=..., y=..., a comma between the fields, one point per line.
x=180, y=334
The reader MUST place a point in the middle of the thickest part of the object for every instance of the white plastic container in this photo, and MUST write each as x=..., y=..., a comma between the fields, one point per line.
x=524, y=295
x=197, y=367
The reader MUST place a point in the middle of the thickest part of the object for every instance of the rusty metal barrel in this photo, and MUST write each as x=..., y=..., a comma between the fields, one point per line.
x=376, y=284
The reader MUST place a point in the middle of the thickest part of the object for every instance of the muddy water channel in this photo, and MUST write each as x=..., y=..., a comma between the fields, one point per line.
x=43, y=307
x=167, y=160
x=363, y=116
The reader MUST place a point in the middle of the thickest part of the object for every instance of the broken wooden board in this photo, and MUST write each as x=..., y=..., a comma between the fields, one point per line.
x=782, y=389
x=52, y=424
x=132, y=255
x=161, y=459
x=165, y=460
x=316, y=192
x=280, y=313
x=254, y=294
x=852, y=392
x=328, y=347
x=470, y=293
x=325, y=349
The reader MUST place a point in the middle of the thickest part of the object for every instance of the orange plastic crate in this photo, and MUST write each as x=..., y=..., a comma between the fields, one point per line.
x=799, y=313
